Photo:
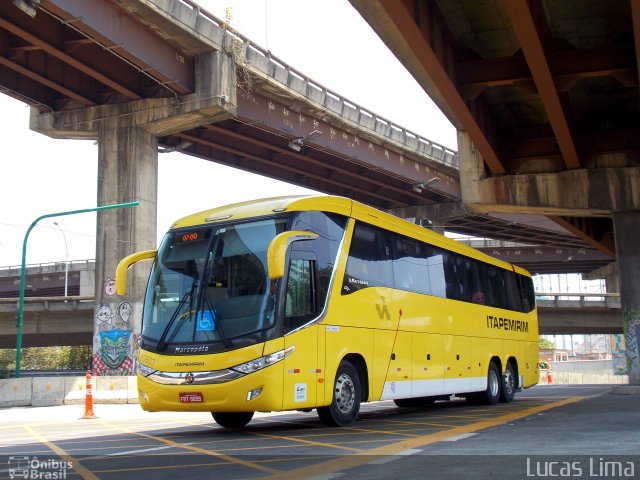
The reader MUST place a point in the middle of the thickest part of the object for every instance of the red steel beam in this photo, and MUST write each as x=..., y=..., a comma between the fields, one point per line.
x=635, y=16
x=408, y=192
x=45, y=81
x=425, y=53
x=527, y=33
x=271, y=164
x=120, y=33
x=582, y=232
x=565, y=66
x=68, y=59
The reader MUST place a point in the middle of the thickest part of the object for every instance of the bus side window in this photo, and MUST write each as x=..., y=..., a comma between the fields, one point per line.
x=527, y=294
x=370, y=261
x=301, y=303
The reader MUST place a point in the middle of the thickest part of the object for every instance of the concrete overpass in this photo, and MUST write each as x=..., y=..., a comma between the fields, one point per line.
x=545, y=99
x=143, y=75
x=212, y=93
x=58, y=320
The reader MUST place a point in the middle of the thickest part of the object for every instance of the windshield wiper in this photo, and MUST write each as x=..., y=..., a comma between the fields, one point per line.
x=161, y=341
x=217, y=325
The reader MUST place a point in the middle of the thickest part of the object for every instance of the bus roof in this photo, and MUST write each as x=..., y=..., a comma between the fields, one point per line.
x=334, y=204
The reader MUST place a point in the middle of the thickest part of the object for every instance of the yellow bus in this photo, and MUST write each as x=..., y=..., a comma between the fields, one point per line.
x=296, y=303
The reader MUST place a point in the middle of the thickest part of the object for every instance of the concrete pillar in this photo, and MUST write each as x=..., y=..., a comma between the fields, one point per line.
x=627, y=231
x=612, y=282
x=127, y=171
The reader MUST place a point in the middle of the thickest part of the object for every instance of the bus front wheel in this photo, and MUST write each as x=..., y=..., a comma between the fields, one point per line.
x=232, y=419
x=345, y=404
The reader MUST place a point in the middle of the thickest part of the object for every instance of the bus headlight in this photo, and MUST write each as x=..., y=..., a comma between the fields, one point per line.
x=144, y=370
x=262, y=362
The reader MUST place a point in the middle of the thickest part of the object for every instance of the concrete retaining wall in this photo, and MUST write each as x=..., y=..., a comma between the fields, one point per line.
x=583, y=378
x=48, y=391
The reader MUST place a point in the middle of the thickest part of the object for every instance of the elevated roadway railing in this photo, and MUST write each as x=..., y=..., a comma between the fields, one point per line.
x=72, y=302
x=578, y=300
x=580, y=313
x=69, y=320
x=262, y=60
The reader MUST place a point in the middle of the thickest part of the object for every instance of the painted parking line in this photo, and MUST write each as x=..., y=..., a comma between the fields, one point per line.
x=462, y=436
x=212, y=453
x=395, y=456
x=351, y=461
x=64, y=456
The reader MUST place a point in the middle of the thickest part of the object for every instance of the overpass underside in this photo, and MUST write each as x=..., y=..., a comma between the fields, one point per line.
x=545, y=99
x=49, y=323
x=147, y=75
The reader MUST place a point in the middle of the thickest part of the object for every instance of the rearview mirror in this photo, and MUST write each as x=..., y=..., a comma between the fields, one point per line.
x=125, y=263
x=277, y=250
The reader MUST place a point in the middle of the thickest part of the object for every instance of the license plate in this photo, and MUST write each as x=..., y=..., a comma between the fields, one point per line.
x=191, y=397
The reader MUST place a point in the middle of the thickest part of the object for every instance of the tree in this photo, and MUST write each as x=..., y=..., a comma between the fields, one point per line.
x=544, y=343
x=47, y=358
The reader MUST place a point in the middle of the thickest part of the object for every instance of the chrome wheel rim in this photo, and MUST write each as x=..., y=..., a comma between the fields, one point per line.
x=494, y=383
x=509, y=381
x=345, y=393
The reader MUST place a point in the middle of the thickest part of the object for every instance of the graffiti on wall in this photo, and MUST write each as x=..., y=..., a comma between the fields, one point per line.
x=631, y=321
x=115, y=341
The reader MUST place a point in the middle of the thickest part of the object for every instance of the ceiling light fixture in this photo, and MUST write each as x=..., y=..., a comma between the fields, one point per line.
x=420, y=187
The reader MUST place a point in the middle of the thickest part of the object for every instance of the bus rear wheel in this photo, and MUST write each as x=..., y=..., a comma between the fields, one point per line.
x=509, y=384
x=492, y=394
x=232, y=419
x=345, y=404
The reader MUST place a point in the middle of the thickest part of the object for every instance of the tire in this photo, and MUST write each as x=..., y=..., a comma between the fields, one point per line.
x=509, y=384
x=345, y=403
x=414, y=402
x=491, y=396
x=232, y=419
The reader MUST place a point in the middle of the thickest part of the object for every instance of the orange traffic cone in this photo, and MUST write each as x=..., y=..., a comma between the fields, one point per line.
x=88, y=401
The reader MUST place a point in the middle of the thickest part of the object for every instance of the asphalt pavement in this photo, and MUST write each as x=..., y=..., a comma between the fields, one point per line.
x=577, y=431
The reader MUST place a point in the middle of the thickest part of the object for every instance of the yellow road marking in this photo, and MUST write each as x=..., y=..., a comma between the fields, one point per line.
x=383, y=432
x=363, y=457
x=76, y=465
x=307, y=442
x=203, y=451
x=420, y=424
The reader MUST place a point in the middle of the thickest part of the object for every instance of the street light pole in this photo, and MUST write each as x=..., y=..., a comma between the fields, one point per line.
x=23, y=272
x=66, y=260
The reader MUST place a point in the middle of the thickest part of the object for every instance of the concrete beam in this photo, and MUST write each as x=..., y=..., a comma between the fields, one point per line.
x=48, y=328
x=627, y=231
x=579, y=321
x=593, y=192
x=214, y=100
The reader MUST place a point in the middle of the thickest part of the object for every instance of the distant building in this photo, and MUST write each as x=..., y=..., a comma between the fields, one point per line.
x=554, y=355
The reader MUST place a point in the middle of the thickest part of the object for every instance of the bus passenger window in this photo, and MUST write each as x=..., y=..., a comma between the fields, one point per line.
x=300, y=300
x=369, y=263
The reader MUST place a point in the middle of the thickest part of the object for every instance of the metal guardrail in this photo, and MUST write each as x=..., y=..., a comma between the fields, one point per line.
x=48, y=266
x=72, y=303
x=559, y=300
x=75, y=298
x=267, y=63
x=578, y=300
x=46, y=373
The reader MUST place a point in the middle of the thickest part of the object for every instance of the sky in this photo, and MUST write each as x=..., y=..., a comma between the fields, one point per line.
x=325, y=40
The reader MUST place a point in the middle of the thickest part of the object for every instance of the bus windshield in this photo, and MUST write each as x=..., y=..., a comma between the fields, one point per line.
x=209, y=289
